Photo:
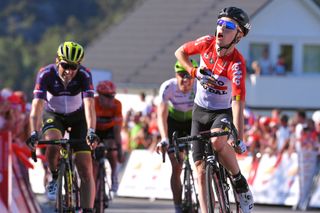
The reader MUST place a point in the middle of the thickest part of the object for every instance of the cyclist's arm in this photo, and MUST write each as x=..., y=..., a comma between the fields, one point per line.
x=90, y=112
x=163, y=112
x=183, y=58
x=238, y=119
x=36, y=114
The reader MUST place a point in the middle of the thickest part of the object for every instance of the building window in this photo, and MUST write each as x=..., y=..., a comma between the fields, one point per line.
x=311, y=58
x=256, y=50
x=286, y=54
x=260, y=62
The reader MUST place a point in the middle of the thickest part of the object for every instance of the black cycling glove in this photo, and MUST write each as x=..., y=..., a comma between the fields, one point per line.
x=33, y=139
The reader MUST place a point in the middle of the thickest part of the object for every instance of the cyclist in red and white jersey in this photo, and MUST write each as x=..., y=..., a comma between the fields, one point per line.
x=220, y=95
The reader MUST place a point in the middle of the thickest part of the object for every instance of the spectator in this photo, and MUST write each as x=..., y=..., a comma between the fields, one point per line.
x=4, y=110
x=253, y=137
x=283, y=134
x=265, y=63
x=300, y=119
x=280, y=68
x=142, y=105
x=267, y=137
x=153, y=131
x=275, y=116
x=316, y=120
x=307, y=163
x=256, y=69
x=137, y=135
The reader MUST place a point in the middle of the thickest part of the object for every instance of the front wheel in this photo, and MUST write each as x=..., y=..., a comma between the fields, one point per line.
x=76, y=190
x=62, y=189
x=233, y=198
x=213, y=184
x=190, y=203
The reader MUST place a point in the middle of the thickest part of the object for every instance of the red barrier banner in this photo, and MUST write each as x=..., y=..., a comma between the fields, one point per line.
x=5, y=167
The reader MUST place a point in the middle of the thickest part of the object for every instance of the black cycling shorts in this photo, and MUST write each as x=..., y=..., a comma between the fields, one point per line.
x=203, y=120
x=183, y=128
x=75, y=122
x=108, y=135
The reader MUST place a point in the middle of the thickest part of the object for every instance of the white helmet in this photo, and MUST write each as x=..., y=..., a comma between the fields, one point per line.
x=316, y=117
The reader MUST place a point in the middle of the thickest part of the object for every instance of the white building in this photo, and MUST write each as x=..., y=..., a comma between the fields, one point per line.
x=139, y=51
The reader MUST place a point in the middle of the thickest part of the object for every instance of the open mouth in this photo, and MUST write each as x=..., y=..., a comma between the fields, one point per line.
x=220, y=35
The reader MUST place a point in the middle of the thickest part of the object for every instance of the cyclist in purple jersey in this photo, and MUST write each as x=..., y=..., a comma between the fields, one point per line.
x=66, y=92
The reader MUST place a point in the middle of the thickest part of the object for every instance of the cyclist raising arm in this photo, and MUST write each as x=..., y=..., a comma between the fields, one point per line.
x=174, y=114
x=220, y=95
x=65, y=90
x=109, y=123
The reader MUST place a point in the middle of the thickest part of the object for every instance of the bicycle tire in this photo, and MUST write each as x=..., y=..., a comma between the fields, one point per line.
x=68, y=188
x=232, y=207
x=195, y=200
x=187, y=192
x=101, y=191
x=60, y=203
x=76, y=190
x=213, y=179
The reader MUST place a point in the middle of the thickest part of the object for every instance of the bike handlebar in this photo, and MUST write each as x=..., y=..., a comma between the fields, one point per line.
x=202, y=136
x=56, y=142
x=230, y=130
x=61, y=141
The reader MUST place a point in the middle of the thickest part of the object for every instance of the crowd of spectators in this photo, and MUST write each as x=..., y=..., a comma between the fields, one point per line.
x=279, y=133
x=14, y=114
x=264, y=134
x=140, y=129
x=272, y=134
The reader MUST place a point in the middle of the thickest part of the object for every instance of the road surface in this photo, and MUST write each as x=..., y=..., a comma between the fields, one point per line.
x=140, y=205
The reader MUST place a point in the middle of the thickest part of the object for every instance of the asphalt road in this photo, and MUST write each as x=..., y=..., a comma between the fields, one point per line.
x=139, y=205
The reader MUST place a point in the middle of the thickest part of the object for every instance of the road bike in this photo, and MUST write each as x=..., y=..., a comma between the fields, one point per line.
x=219, y=185
x=190, y=202
x=68, y=192
x=103, y=192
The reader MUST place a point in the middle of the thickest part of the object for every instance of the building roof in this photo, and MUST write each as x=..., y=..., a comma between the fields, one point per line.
x=140, y=50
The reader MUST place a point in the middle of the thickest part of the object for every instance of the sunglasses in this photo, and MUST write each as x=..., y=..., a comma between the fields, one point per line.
x=229, y=24
x=184, y=75
x=67, y=66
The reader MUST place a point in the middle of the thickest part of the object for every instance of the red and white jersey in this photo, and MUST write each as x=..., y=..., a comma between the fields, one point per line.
x=229, y=72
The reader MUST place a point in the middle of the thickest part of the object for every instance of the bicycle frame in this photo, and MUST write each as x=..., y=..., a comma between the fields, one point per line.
x=102, y=196
x=67, y=177
x=190, y=202
x=216, y=175
x=189, y=185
